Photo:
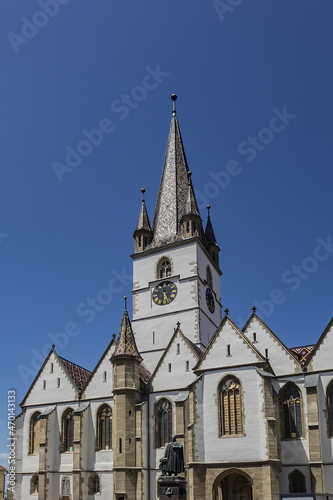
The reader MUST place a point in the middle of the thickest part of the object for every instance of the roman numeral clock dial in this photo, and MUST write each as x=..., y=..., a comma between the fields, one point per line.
x=164, y=293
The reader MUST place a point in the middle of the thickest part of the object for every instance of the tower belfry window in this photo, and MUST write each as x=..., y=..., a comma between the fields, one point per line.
x=165, y=268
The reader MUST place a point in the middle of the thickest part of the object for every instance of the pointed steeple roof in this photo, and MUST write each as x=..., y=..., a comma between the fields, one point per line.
x=143, y=221
x=209, y=232
x=126, y=345
x=173, y=192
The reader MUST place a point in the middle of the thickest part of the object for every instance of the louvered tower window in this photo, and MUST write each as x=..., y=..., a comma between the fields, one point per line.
x=165, y=268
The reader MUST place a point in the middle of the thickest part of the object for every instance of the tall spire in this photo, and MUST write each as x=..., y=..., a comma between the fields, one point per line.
x=143, y=233
x=126, y=345
x=173, y=192
x=209, y=232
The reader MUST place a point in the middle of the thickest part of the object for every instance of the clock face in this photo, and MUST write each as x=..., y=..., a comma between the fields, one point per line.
x=210, y=300
x=164, y=293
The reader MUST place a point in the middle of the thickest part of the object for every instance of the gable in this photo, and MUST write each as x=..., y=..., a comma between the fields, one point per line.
x=101, y=382
x=228, y=347
x=174, y=369
x=280, y=358
x=322, y=353
x=52, y=384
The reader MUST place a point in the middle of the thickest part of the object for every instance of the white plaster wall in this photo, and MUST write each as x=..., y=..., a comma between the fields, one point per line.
x=322, y=359
x=252, y=446
x=280, y=360
x=97, y=387
x=182, y=257
x=284, y=480
x=207, y=327
x=163, y=327
x=51, y=394
x=52, y=441
x=179, y=377
x=241, y=351
x=203, y=262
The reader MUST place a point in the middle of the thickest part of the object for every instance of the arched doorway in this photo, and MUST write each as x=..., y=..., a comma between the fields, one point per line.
x=233, y=486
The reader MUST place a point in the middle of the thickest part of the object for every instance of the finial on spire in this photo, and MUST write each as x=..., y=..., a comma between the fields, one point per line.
x=178, y=324
x=113, y=336
x=174, y=98
x=208, y=208
x=53, y=347
x=143, y=194
x=254, y=309
x=189, y=173
x=125, y=298
x=226, y=310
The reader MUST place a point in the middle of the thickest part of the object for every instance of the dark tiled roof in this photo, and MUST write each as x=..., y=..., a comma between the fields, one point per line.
x=78, y=374
x=143, y=222
x=144, y=373
x=302, y=352
x=126, y=344
x=2, y=468
x=209, y=233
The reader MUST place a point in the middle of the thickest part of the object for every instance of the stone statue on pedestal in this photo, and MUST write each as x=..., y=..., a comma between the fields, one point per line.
x=172, y=463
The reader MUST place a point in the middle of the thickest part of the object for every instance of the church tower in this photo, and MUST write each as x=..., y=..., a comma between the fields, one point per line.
x=176, y=274
x=127, y=423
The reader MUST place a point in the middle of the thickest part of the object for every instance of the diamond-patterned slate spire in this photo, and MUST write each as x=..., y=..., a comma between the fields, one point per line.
x=143, y=222
x=173, y=192
x=126, y=345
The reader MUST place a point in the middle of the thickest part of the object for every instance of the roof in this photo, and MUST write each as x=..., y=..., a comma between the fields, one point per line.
x=303, y=353
x=2, y=468
x=126, y=345
x=78, y=374
x=143, y=221
x=195, y=348
x=173, y=191
x=144, y=372
x=191, y=206
x=209, y=233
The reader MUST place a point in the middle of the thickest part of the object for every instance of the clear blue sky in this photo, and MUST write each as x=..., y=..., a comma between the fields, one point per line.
x=62, y=242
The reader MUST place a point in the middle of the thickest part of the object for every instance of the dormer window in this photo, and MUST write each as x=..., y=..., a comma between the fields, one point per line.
x=164, y=268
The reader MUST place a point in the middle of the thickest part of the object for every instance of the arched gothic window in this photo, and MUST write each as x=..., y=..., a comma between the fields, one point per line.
x=209, y=277
x=164, y=268
x=292, y=413
x=163, y=423
x=104, y=426
x=34, y=484
x=230, y=407
x=94, y=484
x=65, y=486
x=297, y=482
x=34, y=433
x=68, y=429
x=330, y=408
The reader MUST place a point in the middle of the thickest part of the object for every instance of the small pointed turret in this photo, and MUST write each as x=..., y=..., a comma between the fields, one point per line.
x=191, y=223
x=126, y=345
x=173, y=194
x=210, y=240
x=143, y=232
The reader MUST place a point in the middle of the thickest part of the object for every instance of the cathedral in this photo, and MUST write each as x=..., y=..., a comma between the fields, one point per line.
x=255, y=417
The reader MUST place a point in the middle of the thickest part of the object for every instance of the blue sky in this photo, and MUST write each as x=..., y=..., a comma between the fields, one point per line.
x=254, y=85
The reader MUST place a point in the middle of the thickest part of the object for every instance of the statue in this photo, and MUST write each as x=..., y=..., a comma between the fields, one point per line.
x=173, y=461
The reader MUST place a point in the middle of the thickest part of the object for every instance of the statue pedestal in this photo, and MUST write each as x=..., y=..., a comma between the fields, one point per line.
x=171, y=487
